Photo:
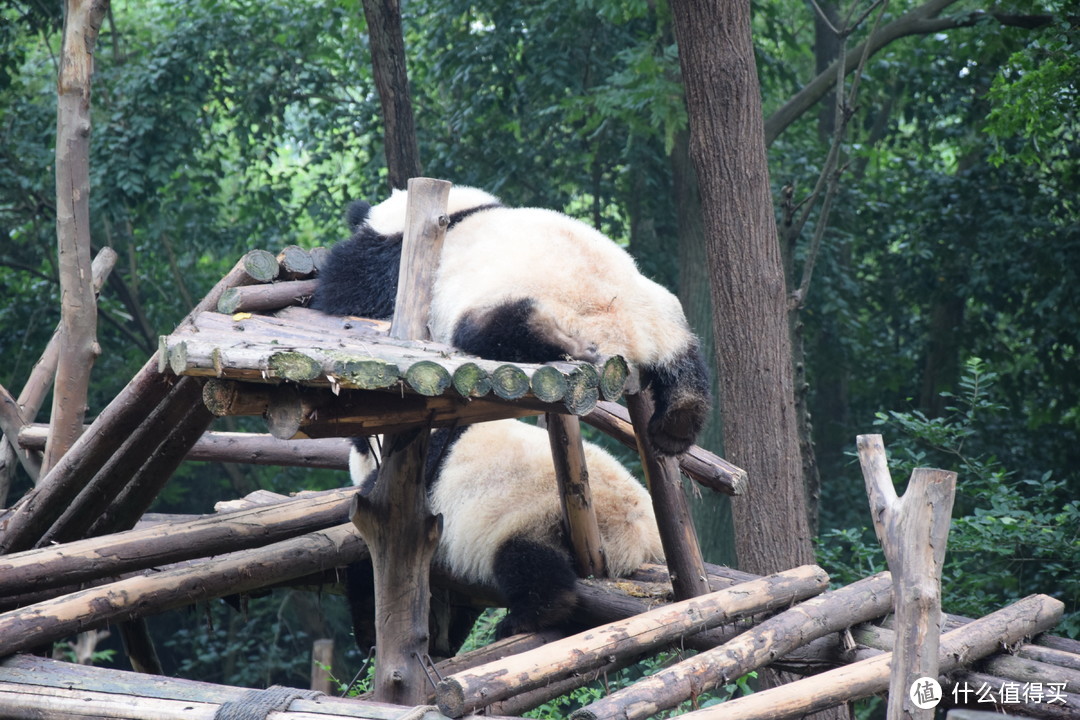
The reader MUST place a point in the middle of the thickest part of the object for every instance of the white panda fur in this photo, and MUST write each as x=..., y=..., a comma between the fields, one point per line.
x=496, y=490
x=530, y=285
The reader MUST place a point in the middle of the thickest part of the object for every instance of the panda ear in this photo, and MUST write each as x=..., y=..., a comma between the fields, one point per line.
x=357, y=214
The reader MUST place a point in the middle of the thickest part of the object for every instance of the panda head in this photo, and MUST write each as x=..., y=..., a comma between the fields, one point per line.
x=388, y=217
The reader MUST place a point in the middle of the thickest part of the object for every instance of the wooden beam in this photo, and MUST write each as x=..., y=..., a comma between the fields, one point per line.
x=469, y=691
x=572, y=478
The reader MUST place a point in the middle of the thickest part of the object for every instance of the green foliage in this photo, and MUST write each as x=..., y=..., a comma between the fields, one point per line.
x=1014, y=531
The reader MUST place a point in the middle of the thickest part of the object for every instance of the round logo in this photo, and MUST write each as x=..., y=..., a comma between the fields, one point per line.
x=925, y=693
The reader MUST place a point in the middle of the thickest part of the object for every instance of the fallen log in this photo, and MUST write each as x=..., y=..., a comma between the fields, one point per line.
x=259, y=298
x=1033, y=614
x=95, y=558
x=252, y=448
x=156, y=592
x=479, y=687
x=827, y=613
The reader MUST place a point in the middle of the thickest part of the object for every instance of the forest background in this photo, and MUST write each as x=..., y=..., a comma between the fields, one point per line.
x=941, y=310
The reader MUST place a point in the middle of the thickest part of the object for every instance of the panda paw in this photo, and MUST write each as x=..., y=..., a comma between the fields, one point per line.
x=674, y=429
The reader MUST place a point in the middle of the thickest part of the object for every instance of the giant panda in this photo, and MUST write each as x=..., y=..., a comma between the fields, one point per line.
x=529, y=285
x=494, y=485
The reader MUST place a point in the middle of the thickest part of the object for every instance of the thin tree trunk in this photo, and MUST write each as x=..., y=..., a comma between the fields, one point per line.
x=78, y=308
x=388, y=61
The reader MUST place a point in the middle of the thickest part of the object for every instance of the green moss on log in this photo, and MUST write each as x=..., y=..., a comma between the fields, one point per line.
x=549, y=384
x=471, y=380
x=367, y=374
x=428, y=378
x=261, y=265
x=509, y=382
x=294, y=366
x=613, y=378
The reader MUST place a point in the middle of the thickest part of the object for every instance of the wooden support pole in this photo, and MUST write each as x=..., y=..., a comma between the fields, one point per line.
x=827, y=613
x=677, y=534
x=394, y=519
x=156, y=592
x=572, y=476
x=913, y=531
x=468, y=691
x=1033, y=614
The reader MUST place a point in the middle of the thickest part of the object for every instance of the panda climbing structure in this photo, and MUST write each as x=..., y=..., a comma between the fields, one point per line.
x=526, y=285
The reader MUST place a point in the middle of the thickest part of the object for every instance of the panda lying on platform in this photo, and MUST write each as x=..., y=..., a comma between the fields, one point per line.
x=529, y=285
x=494, y=485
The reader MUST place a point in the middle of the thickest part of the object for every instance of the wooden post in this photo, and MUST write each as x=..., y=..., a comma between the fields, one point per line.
x=322, y=665
x=394, y=519
x=579, y=518
x=913, y=531
x=677, y=534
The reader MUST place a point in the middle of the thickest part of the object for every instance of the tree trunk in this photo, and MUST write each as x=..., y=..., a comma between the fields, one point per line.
x=388, y=62
x=753, y=347
x=78, y=308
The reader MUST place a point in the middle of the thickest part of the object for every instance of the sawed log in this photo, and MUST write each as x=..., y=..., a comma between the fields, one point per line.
x=827, y=613
x=468, y=691
x=1033, y=614
x=572, y=478
x=155, y=592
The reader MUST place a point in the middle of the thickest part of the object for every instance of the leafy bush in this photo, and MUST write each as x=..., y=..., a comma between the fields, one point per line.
x=1014, y=531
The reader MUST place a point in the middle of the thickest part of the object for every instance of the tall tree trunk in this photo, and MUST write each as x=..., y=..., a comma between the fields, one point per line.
x=78, y=308
x=392, y=81
x=753, y=348
x=750, y=299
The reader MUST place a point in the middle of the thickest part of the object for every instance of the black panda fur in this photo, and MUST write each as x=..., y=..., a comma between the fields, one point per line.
x=516, y=545
x=529, y=285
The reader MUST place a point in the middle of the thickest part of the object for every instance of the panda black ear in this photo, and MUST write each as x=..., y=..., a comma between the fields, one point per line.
x=356, y=214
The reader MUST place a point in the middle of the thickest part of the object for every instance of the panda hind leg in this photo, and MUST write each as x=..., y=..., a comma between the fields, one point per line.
x=682, y=399
x=517, y=331
x=537, y=583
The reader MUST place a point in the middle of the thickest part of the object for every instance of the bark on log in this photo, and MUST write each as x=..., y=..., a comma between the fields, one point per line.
x=700, y=465
x=144, y=595
x=479, y=687
x=239, y=447
x=677, y=534
x=913, y=531
x=39, y=508
x=123, y=552
x=260, y=298
x=827, y=613
x=1033, y=614
x=572, y=477
x=78, y=307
